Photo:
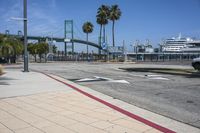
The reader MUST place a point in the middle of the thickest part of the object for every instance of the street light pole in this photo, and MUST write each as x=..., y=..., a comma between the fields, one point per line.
x=25, y=38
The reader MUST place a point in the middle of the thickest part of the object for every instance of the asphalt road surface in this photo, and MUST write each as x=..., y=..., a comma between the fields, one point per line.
x=177, y=97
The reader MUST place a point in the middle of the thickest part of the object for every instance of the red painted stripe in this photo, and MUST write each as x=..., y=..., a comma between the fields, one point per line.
x=136, y=117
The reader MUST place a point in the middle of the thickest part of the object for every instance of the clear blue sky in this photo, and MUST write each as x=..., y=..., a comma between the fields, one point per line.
x=141, y=19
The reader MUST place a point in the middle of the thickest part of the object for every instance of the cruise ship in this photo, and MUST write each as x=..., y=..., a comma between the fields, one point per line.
x=180, y=44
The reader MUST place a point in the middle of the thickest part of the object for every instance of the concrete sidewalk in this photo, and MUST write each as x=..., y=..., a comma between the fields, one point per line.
x=37, y=103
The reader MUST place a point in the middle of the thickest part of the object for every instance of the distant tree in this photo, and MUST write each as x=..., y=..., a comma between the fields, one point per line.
x=115, y=14
x=54, y=49
x=42, y=48
x=32, y=48
x=87, y=28
x=1, y=39
x=1, y=44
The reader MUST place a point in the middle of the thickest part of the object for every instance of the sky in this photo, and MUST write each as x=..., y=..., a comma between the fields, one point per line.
x=141, y=19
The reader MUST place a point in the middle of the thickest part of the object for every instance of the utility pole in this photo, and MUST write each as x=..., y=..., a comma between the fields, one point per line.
x=65, y=32
x=25, y=38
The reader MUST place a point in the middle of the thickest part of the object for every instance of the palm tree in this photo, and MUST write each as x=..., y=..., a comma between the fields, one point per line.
x=87, y=28
x=115, y=14
x=32, y=48
x=17, y=46
x=6, y=49
x=10, y=48
x=42, y=48
x=102, y=19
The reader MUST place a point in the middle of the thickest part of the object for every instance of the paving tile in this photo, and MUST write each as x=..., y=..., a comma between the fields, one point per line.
x=95, y=103
x=115, y=113
x=87, y=106
x=43, y=123
x=152, y=131
x=82, y=128
x=29, y=130
x=119, y=129
x=56, y=129
x=2, y=126
x=78, y=109
x=102, y=116
x=102, y=110
x=132, y=125
x=102, y=124
x=8, y=107
x=5, y=130
x=41, y=112
x=83, y=118
x=15, y=123
x=62, y=120
x=16, y=102
x=14, y=110
x=49, y=107
x=4, y=115
x=29, y=118
x=66, y=113
x=28, y=100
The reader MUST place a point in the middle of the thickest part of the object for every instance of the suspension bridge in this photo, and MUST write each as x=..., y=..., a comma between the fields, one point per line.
x=68, y=37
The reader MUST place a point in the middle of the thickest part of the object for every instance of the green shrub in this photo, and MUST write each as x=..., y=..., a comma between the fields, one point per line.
x=1, y=69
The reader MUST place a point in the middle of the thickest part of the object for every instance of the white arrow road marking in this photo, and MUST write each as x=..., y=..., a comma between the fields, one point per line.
x=87, y=79
x=159, y=78
x=119, y=81
x=97, y=78
x=104, y=78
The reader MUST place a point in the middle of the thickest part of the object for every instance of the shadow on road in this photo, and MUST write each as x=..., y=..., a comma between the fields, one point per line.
x=189, y=73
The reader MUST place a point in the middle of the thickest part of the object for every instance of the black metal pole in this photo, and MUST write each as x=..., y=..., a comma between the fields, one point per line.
x=25, y=38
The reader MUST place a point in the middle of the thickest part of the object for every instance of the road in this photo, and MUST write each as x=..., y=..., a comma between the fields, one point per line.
x=177, y=97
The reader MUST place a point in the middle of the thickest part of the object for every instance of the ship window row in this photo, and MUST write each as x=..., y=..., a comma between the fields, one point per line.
x=175, y=47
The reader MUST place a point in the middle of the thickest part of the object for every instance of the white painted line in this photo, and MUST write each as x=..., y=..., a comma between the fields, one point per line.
x=97, y=78
x=119, y=81
x=159, y=78
x=153, y=75
x=104, y=78
x=86, y=79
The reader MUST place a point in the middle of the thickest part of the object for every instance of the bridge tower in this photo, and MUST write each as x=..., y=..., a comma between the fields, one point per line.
x=19, y=33
x=69, y=33
x=7, y=32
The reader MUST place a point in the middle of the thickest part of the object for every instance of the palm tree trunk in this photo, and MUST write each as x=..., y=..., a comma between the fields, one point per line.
x=100, y=38
x=113, y=33
x=87, y=47
x=100, y=34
